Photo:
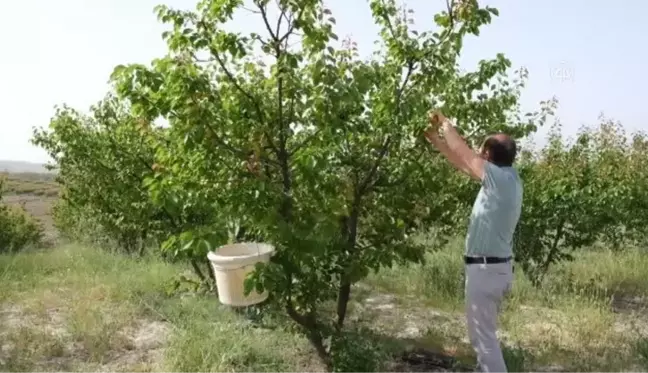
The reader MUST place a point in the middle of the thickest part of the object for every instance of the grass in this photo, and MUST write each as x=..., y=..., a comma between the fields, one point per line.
x=30, y=184
x=76, y=308
x=577, y=321
x=641, y=349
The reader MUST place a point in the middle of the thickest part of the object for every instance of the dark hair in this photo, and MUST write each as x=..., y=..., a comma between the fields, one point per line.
x=501, y=149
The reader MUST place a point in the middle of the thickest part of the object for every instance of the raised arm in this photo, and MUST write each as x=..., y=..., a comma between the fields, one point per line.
x=432, y=135
x=453, y=147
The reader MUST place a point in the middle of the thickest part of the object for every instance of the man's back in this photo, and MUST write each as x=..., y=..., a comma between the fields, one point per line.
x=495, y=214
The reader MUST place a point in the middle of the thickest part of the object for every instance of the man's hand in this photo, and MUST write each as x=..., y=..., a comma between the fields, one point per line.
x=436, y=119
x=432, y=132
x=453, y=146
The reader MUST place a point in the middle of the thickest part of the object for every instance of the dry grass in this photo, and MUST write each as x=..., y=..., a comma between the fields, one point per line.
x=78, y=301
x=576, y=322
x=74, y=308
x=33, y=184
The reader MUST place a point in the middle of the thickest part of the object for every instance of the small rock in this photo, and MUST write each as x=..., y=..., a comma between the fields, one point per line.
x=381, y=299
x=387, y=306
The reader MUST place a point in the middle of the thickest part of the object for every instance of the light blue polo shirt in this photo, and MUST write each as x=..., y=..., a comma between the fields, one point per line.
x=495, y=213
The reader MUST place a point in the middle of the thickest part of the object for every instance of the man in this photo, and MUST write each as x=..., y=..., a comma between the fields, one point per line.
x=494, y=217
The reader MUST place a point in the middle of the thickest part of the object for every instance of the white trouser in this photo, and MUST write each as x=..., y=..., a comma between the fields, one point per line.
x=486, y=285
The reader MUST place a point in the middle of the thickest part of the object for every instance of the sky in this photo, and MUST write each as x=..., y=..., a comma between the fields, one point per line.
x=588, y=54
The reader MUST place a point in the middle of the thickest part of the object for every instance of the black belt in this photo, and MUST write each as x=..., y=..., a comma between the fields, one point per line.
x=486, y=259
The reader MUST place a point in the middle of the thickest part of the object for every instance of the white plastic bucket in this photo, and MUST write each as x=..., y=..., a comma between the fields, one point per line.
x=231, y=264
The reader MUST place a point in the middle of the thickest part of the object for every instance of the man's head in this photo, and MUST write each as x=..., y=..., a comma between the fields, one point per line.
x=499, y=149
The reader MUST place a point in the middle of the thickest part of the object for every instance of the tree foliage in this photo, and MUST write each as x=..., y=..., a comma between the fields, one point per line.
x=578, y=192
x=292, y=134
x=291, y=138
x=101, y=160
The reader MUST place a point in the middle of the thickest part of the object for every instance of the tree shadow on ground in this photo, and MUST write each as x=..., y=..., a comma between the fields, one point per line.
x=395, y=354
x=422, y=338
x=417, y=355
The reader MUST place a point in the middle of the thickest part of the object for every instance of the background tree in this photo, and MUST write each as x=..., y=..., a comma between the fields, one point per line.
x=577, y=193
x=101, y=161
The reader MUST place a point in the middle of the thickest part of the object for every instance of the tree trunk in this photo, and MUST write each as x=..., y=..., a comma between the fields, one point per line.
x=351, y=233
x=197, y=270
x=552, y=253
x=309, y=323
x=210, y=271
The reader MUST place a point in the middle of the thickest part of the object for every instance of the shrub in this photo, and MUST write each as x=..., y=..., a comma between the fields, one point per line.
x=79, y=225
x=18, y=229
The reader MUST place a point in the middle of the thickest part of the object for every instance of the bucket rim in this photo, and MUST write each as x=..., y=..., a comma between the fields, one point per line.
x=219, y=259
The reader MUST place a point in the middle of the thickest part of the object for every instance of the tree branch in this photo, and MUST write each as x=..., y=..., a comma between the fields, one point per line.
x=399, y=94
x=238, y=152
x=403, y=178
x=250, y=10
x=281, y=16
x=383, y=150
x=264, y=15
x=232, y=78
x=351, y=232
x=309, y=323
x=291, y=28
x=196, y=269
x=362, y=188
x=450, y=6
x=235, y=82
x=553, y=250
x=282, y=153
x=305, y=142
x=312, y=334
